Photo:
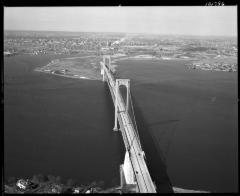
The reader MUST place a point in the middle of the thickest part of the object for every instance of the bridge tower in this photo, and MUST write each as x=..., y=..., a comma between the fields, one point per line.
x=106, y=62
x=118, y=83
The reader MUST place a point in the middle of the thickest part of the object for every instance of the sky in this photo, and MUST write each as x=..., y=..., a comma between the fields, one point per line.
x=167, y=20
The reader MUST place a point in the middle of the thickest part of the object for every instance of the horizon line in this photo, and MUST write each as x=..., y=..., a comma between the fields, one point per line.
x=115, y=32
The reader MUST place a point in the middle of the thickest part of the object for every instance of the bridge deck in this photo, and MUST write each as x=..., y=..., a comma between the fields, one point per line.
x=143, y=178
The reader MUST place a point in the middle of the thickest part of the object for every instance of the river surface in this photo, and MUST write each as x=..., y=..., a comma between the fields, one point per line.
x=192, y=116
x=63, y=126
x=58, y=126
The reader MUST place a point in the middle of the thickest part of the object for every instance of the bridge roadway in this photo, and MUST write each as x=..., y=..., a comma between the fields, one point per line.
x=132, y=142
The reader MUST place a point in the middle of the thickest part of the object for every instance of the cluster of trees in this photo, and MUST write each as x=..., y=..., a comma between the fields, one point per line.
x=44, y=178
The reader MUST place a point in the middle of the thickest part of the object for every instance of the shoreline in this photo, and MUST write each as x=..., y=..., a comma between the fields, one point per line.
x=70, y=69
x=66, y=76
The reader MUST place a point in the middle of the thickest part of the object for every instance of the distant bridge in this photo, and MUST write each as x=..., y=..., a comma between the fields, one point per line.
x=133, y=172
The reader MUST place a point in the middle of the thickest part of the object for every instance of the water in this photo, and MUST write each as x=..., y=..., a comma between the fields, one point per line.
x=187, y=121
x=58, y=126
x=191, y=116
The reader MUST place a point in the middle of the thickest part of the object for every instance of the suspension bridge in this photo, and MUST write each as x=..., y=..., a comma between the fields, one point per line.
x=134, y=173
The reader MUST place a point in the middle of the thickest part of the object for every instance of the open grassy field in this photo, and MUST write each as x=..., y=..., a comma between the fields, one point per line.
x=84, y=67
